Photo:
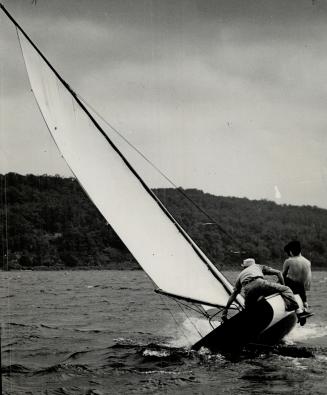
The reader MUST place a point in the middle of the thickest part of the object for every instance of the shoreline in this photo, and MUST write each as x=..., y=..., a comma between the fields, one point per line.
x=116, y=268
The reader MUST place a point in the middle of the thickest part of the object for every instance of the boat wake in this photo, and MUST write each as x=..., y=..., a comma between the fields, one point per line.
x=303, y=342
x=312, y=332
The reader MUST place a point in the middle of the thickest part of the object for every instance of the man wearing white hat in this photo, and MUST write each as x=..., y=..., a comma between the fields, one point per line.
x=252, y=284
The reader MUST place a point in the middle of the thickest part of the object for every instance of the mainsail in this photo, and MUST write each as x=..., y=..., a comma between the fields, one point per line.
x=163, y=249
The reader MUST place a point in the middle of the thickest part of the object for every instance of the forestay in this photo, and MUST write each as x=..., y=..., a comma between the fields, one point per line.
x=162, y=248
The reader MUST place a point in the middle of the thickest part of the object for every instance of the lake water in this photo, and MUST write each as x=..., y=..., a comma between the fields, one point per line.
x=106, y=332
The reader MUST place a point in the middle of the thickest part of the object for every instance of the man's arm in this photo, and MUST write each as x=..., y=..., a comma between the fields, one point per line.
x=285, y=268
x=278, y=273
x=231, y=299
x=307, y=283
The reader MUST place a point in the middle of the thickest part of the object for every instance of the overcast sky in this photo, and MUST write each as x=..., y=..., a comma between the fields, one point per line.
x=226, y=96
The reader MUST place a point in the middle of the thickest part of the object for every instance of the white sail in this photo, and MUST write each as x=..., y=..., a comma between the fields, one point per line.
x=170, y=258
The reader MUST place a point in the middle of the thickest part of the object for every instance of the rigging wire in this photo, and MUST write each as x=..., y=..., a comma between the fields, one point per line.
x=197, y=310
x=171, y=313
x=187, y=316
x=178, y=326
x=179, y=189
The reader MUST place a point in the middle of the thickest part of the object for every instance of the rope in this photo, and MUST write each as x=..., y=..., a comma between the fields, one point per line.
x=199, y=311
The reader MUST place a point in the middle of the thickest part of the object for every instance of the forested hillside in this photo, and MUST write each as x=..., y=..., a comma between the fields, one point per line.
x=49, y=222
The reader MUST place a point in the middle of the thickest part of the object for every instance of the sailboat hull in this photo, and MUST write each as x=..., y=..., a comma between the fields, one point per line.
x=265, y=323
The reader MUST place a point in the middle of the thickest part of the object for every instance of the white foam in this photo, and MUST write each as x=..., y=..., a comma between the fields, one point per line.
x=155, y=353
x=165, y=372
x=309, y=331
x=322, y=358
x=298, y=364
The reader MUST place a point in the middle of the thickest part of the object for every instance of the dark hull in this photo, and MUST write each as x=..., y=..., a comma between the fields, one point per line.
x=263, y=324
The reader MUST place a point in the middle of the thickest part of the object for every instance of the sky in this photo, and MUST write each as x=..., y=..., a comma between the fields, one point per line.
x=225, y=96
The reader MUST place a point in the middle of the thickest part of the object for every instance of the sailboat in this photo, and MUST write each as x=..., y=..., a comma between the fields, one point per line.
x=175, y=264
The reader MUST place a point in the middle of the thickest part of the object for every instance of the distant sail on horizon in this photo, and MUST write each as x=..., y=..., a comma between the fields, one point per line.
x=278, y=195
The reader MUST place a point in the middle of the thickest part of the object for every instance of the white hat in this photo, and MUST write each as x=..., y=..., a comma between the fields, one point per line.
x=248, y=262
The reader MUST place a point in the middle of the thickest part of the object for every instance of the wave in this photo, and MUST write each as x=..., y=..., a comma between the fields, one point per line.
x=76, y=354
x=153, y=352
x=60, y=367
x=285, y=350
x=14, y=368
x=19, y=324
x=9, y=345
x=49, y=369
x=61, y=390
x=93, y=392
x=81, y=330
x=47, y=326
x=91, y=330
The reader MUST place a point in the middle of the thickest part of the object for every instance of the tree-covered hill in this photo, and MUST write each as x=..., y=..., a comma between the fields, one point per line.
x=47, y=221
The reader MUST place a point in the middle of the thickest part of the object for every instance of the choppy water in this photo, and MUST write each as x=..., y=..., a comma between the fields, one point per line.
x=106, y=332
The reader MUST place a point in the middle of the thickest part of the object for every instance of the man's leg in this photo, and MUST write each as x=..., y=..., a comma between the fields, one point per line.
x=262, y=287
x=286, y=293
x=252, y=293
x=298, y=289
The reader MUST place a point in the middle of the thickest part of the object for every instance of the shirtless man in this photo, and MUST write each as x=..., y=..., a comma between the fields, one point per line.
x=297, y=271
